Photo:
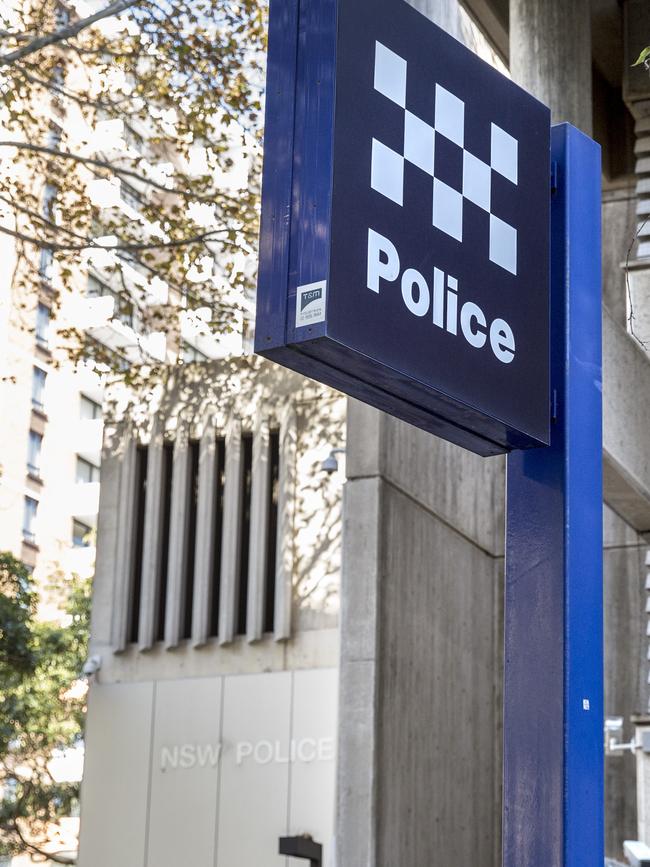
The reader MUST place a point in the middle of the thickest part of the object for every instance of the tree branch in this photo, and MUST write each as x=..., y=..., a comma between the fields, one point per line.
x=104, y=164
x=91, y=245
x=65, y=32
x=36, y=850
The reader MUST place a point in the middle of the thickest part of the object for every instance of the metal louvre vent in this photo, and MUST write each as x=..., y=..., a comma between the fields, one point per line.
x=203, y=544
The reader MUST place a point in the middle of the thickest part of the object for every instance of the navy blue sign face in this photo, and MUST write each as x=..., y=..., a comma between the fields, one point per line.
x=405, y=223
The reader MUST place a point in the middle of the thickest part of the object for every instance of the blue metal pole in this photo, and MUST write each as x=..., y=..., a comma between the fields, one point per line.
x=553, y=680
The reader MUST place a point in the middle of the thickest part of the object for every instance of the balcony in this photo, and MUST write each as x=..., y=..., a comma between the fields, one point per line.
x=88, y=439
x=85, y=501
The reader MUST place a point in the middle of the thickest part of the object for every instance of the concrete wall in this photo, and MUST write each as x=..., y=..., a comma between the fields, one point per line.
x=626, y=668
x=419, y=742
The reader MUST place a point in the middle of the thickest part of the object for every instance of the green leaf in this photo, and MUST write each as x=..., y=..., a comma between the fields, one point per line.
x=645, y=54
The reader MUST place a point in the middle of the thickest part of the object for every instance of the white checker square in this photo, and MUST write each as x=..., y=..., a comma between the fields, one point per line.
x=419, y=142
x=387, y=172
x=503, y=244
x=447, y=210
x=390, y=74
x=477, y=181
x=505, y=154
x=450, y=116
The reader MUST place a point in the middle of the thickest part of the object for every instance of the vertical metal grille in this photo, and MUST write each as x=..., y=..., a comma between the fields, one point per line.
x=136, y=577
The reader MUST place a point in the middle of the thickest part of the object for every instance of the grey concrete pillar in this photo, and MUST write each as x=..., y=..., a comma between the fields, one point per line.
x=421, y=635
x=642, y=737
x=258, y=532
x=550, y=55
x=636, y=91
x=178, y=540
x=152, y=542
x=285, y=539
x=419, y=760
x=230, y=549
x=205, y=540
x=125, y=546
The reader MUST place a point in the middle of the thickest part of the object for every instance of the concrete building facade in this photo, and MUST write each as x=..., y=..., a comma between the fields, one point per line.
x=212, y=719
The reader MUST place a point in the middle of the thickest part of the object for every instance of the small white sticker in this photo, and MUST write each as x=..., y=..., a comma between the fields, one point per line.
x=310, y=304
x=585, y=704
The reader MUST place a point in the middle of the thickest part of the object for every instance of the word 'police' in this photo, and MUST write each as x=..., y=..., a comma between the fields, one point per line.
x=384, y=264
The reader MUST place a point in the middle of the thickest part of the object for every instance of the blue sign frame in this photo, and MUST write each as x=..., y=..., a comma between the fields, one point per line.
x=553, y=683
x=404, y=249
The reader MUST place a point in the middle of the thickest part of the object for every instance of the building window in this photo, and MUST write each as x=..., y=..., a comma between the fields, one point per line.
x=42, y=326
x=29, y=520
x=190, y=353
x=34, y=454
x=86, y=472
x=135, y=263
x=81, y=534
x=38, y=389
x=89, y=409
x=54, y=135
x=123, y=308
x=50, y=193
x=131, y=197
x=46, y=263
x=132, y=139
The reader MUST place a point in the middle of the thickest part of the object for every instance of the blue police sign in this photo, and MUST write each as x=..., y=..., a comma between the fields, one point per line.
x=405, y=223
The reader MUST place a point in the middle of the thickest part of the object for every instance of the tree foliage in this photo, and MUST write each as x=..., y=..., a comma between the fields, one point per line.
x=40, y=710
x=160, y=99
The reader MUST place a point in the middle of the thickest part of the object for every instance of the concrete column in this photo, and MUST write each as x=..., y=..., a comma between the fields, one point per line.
x=205, y=541
x=419, y=758
x=284, y=564
x=550, y=55
x=421, y=635
x=231, y=533
x=125, y=546
x=636, y=91
x=258, y=532
x=642, y=727
x=177, y=538
x=152, y=542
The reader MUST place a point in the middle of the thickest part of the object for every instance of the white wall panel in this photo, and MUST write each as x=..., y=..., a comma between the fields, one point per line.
x=313, y=772
x=208, y=772
x=116, y=775
x=254, y=788
x=185, y=772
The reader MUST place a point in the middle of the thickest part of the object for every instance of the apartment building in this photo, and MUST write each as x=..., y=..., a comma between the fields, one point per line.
x=50, y=446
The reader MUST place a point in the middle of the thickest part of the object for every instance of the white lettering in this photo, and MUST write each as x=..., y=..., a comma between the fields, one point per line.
x=438, y=298
x=168, y=758
x=469, y=312
x=412, y=278
x=452, y=305
x=208, y=755
x=306, y=750
x=326, y=749
x=188, y=756
x=502, y=341
x=388, y=269
x=244, y=749
x=384, y=263
x=263, y=752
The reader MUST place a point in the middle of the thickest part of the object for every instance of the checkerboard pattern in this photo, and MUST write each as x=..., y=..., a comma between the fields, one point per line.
x=387, y=173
